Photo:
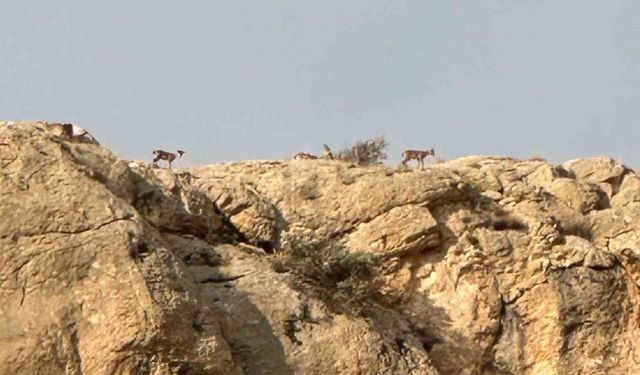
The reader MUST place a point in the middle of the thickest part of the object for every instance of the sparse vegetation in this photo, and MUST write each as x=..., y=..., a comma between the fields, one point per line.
x=369, y=152
x=344, y=279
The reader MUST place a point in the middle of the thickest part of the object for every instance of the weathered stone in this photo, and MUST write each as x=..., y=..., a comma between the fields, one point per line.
x=598, y=170
x=112, y=269
x=493, y=292
x=396, y=232
x=629, y=192
x=86, y=285
x=480, y=265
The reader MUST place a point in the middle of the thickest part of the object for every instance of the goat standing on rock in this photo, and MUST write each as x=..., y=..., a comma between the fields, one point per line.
x=167, y=156
x=417, y=155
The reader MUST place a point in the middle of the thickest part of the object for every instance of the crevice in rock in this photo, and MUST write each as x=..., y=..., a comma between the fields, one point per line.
x=221, y=279
x=489, y=356
x=78, y=231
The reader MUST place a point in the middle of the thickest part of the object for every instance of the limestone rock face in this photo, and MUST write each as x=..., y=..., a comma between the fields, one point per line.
x=482, y=265
x=500, y=266
x=87, y=284
x=110, y=268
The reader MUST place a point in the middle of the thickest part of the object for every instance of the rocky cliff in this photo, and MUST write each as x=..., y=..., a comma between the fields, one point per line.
x=476, y=266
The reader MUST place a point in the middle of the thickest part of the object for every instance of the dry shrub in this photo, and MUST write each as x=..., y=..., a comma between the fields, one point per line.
x=347, y=281
x=369, y=152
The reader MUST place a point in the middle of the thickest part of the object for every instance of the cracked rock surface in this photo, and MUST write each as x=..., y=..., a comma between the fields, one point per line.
x=499, y=266
x=481, y=265
x=111, y=267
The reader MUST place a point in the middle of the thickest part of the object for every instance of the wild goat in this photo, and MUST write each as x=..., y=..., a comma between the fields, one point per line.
x=328, y=155
x=416, y=155
x=304, y=155
x=167, y=156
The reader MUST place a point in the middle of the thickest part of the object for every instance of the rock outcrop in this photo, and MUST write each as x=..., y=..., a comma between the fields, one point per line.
x=500, y=266
x=476, y=266
x=117, y=269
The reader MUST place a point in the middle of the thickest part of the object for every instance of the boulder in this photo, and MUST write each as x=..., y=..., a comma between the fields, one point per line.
x=603, y=170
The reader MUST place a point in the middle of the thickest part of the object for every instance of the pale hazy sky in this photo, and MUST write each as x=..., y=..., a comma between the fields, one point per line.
x=232, y=80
